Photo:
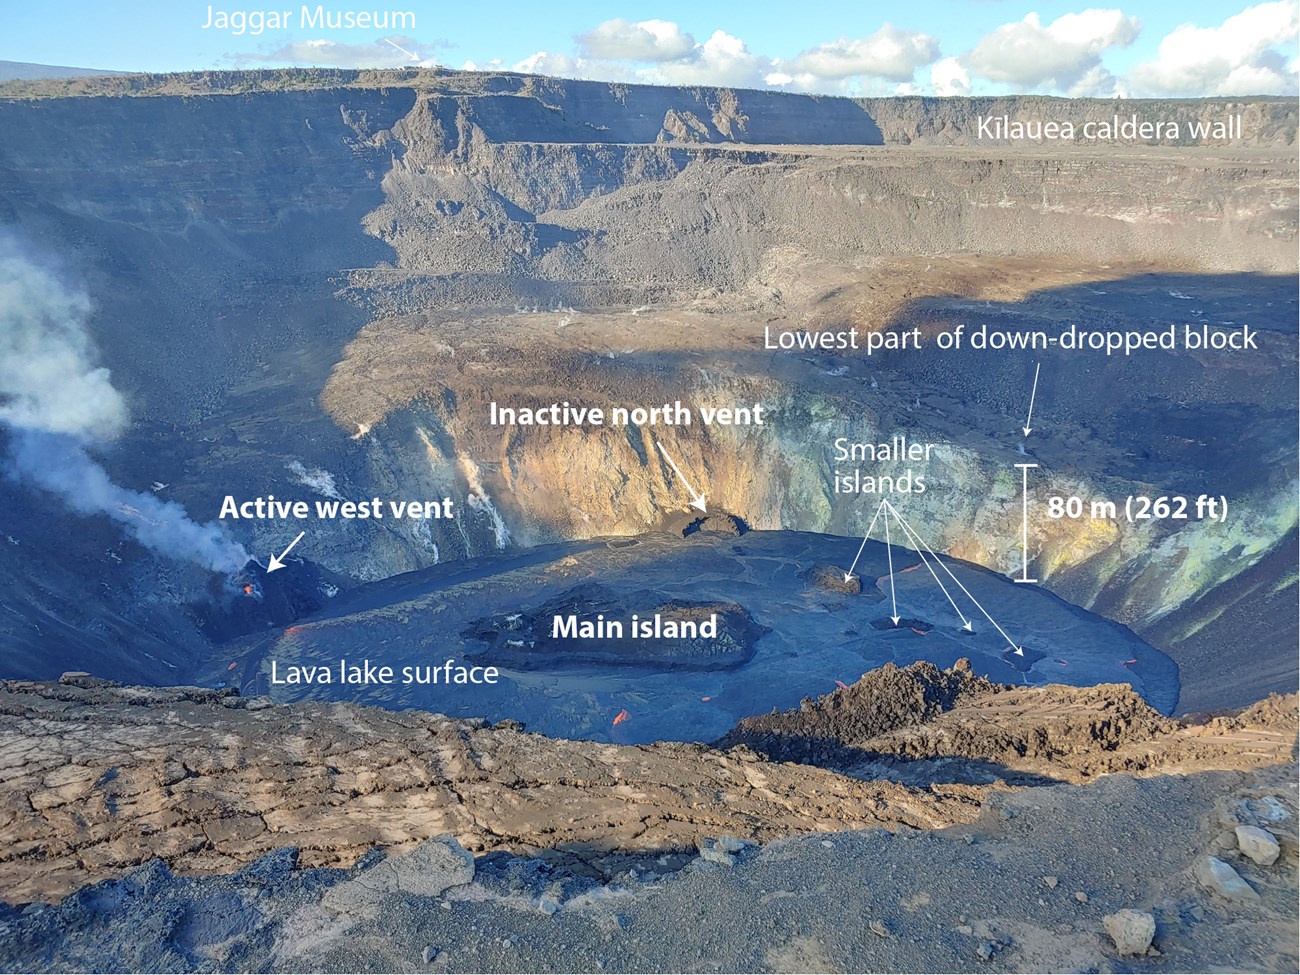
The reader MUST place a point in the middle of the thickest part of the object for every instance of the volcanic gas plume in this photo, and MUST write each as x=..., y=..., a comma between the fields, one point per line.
x=57, y=407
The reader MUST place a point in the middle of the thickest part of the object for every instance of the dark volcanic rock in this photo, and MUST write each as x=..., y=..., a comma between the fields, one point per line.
x=253, y=600
x=717, y=522
x=832, y=577
x=903, y=718
x=881, y=701
x=904, y=623
x=530, y=640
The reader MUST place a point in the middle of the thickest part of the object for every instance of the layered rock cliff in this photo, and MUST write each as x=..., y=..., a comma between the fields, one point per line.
x=102, y=778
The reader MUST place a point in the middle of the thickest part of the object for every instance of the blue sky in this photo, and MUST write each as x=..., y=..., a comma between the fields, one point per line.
x=1199, y=47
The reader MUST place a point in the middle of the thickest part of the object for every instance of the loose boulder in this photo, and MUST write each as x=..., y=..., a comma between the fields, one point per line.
x=1132, y=931
x=1218, y=877
x=1258, y=844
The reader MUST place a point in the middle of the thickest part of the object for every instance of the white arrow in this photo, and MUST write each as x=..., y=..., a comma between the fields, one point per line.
x=277, y=561
x=698, y=501
x=966, y=624
x=1020, y=651
x=413, y=57
x=889, y=554
x=1032, y=393
x=849, y=575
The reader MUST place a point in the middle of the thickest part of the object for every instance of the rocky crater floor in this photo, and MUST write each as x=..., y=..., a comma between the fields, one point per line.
x=182, y=828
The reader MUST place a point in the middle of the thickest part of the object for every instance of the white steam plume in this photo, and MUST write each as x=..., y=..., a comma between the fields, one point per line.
x=56, y=404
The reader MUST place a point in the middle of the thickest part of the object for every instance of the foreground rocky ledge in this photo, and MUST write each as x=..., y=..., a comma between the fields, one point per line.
x=99, y=778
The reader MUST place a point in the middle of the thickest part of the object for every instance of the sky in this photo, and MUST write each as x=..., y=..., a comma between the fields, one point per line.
x=934, y=47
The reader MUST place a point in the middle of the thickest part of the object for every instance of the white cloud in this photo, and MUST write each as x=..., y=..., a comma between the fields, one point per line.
x=557, y=65
x=659, y=52
x=647, y=40
x=1027, y=54
x=949, y=77
x=806, y=81
x=331, y=54
x=1248, y=53
x=567, y=66
x=889, y=53
x=721, y=60
x=1098, y=82
x=1235, y=58
x=1068, y=55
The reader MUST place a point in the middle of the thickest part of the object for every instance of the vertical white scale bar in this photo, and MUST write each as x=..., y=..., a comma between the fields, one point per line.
x=1024, y=523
